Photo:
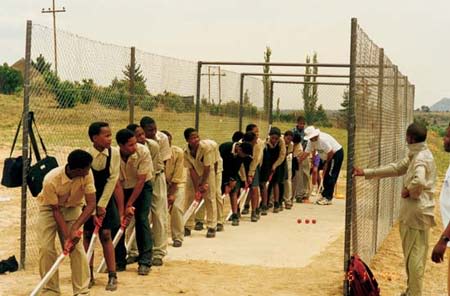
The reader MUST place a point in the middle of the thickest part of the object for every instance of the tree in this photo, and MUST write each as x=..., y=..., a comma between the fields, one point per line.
x=306, y=94
x=425, y=109
x=246, y=98
x=41, y=64
x=267, y=80
x=321, y=117
x=278, y=109
x=11, y=80
x=343, y=112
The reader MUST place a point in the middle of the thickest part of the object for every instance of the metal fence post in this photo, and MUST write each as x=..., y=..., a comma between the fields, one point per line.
x=270, y=115
x=405, y=98
x=132, y=80
x=350, y=194
x=397, y=130
x=25, y=148
x=380, y=141
x=197, y=96
x=241, y=101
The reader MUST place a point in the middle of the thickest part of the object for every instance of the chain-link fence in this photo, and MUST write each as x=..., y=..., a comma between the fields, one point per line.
x=381, y=106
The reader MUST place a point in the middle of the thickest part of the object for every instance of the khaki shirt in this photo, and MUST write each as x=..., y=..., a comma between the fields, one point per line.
x=153, y=147
x=297, y=150
x=416, y=211
x=205, y=156
x=59, y=189
x=139, y=163
x=99, y=163
x=175, y=171
x=164, y=146
x=258, y=152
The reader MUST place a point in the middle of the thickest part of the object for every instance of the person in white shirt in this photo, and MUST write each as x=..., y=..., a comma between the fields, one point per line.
x=443, y=243
x=329, y=151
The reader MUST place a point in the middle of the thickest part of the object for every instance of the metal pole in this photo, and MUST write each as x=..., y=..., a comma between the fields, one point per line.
x=311, y=83
x=279, y=64
x=405, y=97
x=220, y=87
x=397, y=131
x=350, y=194
x=132, y=81
x=241, y=102
x=271, y=103
x=209, y=84
x=197, y=97
x=380, y=142
x=25, y=148
x=54, y=37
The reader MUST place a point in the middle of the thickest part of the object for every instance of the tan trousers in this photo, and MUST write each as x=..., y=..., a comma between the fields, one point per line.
x=210, y=202
x=176, y=214
x=47, y=253
x=415, y=250
x=158, y=218
x=200, y=216
x=302, y=180
x=288, y=196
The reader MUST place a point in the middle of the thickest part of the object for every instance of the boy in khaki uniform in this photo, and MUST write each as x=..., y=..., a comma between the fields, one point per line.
x=287, y=185
x=176, y=180
x=417, y=203
x=159, y=210
x=200, y=159
x=65, y=189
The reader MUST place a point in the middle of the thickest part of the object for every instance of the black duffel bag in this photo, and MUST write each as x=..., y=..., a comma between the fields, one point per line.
x=13, y=166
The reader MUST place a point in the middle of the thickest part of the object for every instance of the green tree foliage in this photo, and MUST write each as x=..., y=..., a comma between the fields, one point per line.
x=41, y=64
x=278, y=111
x=86, y=91
x=67, y=94
x=267, y=80
x=11, y=80
x=343, y=112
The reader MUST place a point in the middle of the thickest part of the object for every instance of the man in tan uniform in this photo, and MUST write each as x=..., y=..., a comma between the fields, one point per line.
x=417, y=203
x=200, y=159
x=159, y=210
x=65, y=189
x=176, y=180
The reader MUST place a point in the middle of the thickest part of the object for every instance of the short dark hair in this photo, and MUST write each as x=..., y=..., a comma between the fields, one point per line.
x=250, y=127
x=237, y=136
x=275, y=131
x=187, y=132
x=123, y=136
x=146, y=120
x=132, y=127
x=79, y=159
x=301, y=118
x=246, y=147
x=95, y=128
x=167, y=133
x=297, y=138
x=249, y=137
x=288, y=133
x=417, y=132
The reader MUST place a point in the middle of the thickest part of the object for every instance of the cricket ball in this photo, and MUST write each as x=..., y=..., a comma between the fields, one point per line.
x=299, y=221
x=313, y=221
x=307, y=221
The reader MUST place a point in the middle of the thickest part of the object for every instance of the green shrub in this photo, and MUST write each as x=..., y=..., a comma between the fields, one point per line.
x=148, y=103
x=86, y=91
x=67, y=94
x=11, y=80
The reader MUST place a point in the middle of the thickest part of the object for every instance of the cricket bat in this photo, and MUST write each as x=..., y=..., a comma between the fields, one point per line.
x=56, y=265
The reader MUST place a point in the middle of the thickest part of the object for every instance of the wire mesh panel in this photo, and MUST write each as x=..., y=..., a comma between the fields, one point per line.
x=383, y=109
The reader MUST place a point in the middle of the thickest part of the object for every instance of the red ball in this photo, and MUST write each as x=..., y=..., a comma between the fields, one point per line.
x=307, y=221
x=299, y=221
x=313, y=221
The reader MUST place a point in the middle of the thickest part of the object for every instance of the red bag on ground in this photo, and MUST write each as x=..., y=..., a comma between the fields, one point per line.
x=360, y=279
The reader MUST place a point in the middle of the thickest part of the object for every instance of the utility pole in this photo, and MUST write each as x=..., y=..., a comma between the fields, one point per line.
x=209, y=74
x=54, y=11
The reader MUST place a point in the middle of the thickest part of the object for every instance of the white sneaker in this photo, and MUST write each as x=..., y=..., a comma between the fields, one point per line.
x=324, y=202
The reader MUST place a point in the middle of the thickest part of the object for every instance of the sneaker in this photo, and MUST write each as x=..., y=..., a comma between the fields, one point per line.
x=177, y=243
x=157, y=262
x=120, y=267
x=254, y=217
x=198, y=226
x=270, y=205
x=131, y=259
x=143, y=270
x=246, y=210
x=276, y=210
x=211, y=233
x=219, y=227
x=288, y=206
x=235, y=220
x=187, y=232
x=112, y=284
x=258, y=212
x=324, y=202
x=298, y=200
x=264, y=211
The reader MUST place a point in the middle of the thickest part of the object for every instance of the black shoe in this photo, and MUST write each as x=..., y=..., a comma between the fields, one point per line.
x=112, y=284
x=246, y=210
x=219, y=227
x=211, y=233
x=234, y=220
x=198, y=226
x=258, y=212
x=264, y=211
x=157, y=262
x=298, y=200
x=281, y=207
x=91, y=283
x=9, y=264
x=276, y=209
x=120, y=267
x=270, y=205
x=187, y=232
x=132, y=259
x=254, y=217
x=143, y=269
x=177, y=243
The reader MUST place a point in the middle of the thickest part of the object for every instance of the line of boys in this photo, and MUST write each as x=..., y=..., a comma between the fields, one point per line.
x=146, y=176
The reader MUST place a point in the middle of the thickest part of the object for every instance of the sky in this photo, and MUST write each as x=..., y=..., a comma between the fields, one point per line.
x=414, y=34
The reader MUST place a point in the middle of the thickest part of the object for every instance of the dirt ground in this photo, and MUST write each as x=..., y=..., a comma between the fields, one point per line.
x=321, y=274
